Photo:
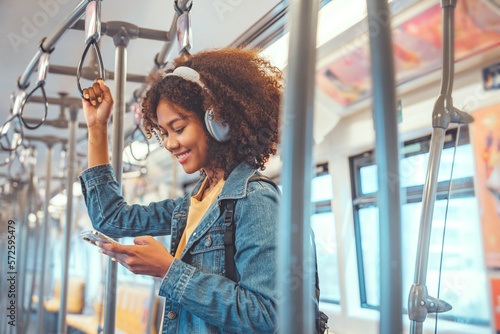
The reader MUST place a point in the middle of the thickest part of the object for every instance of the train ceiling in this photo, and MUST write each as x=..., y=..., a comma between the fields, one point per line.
x=343, y=57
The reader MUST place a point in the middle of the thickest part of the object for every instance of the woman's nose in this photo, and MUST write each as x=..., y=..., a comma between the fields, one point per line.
x=170, y=143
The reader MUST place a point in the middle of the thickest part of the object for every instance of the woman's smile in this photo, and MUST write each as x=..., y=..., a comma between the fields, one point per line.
x=184, y=136
x=182, y=158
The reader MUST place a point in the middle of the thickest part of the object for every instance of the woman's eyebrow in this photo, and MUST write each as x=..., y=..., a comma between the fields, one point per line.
x=174, y=120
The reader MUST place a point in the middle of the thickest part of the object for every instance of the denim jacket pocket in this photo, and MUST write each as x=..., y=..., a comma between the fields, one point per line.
x=208, y=252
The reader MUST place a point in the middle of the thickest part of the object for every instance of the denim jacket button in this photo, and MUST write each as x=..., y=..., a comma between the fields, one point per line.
x=208, y=241
x=172, y=315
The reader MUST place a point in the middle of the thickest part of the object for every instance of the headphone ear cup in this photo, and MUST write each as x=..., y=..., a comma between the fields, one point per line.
x=218, y=130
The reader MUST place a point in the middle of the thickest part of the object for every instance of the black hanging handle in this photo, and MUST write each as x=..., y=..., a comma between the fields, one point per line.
x=137, y=128
x=41, y=86
x=94, y=44
x=11, y=148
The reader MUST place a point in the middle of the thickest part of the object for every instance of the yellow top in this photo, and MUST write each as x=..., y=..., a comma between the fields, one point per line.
x=197, y=210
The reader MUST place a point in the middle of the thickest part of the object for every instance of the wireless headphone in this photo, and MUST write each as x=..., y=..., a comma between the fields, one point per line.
x=219, y=130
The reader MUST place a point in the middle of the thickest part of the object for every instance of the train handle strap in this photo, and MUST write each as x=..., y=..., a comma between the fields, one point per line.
x=40, y=85
x=138, y=129
x=179, y=11
x=43, y=68
x=17, y=137
x=92, y=36
x=137, y=122
x=80, y=65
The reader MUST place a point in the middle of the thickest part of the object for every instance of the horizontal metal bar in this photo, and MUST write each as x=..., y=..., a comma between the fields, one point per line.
x=158, y=35
x=65, y=102
x=50, y=41
x=68, y=70
x=49, y=140
x=110, y=29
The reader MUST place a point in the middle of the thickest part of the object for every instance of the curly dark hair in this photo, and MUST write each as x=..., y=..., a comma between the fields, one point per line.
x=244, y=90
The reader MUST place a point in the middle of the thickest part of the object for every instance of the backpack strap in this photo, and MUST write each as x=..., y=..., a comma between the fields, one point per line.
x=321, y=318
x=263, y=178
x=229, y=233
x=229, y=206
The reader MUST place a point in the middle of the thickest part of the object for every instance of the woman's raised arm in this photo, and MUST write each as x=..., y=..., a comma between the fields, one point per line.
x=97, y=114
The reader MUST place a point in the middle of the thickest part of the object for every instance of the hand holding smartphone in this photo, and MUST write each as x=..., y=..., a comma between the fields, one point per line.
x=94, y=237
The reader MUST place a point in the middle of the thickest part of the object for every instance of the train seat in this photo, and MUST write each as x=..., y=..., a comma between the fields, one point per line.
x=132, y=312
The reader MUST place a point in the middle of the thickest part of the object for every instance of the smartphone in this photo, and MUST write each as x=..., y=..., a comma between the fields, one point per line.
x=94, y=237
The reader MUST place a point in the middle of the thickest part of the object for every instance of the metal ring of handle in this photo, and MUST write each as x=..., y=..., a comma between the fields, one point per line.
x=6, y=162
x=132, y=140
x=21, y=132
x=179, y=11
x=79, y=70
x=17, y=154
x=40, y=85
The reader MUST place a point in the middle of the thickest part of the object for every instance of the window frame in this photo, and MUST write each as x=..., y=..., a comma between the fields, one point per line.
x=463, y=187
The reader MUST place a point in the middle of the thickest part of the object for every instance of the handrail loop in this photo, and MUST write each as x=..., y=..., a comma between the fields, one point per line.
x=6, y=161
x=79, y=70
x=43, y=69
x=138, y=128
x=179, y=11
x=20, y=156
x=18, y=136
x=93, y=34
x=137, y=122
x=41, y=85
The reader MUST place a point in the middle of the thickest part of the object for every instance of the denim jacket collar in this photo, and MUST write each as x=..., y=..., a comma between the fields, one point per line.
x=236, y=184
x=234, y=188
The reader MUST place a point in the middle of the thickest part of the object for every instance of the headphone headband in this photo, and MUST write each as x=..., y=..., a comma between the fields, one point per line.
x=186, y=73
x=218, y=130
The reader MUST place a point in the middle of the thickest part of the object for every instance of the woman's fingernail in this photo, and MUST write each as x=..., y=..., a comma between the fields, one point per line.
x=99, y=99
x=100, y=251
x=86, y=96
x=113, y=259
x=93, y=102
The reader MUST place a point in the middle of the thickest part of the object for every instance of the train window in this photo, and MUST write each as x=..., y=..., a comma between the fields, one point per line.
x=463, y=280
x=323, y=225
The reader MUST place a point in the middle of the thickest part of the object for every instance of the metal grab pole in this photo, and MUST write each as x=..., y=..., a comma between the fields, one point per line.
x=44, y=237
x=23, y=240
x=50, y=42
x=22, y=201
x=121, y=40
x=419, y=303
x=295, y=278
x=386, y=148
x=61, y=324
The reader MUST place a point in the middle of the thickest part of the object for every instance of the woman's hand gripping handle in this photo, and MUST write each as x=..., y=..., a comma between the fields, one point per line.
x=97, y=113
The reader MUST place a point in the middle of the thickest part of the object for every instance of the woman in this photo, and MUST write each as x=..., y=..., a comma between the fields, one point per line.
x=217, y=112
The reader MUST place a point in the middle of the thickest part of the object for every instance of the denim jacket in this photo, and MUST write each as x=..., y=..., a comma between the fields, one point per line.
x=199, y=299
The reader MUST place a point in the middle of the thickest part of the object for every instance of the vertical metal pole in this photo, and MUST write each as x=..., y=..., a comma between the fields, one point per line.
x=61, y=324
x=36, y=236
x=23, y=205
x=121, y=41
x=295, y=254
x=388, y=199
x=441, y=118
x=43, y=245
x=23, y=241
